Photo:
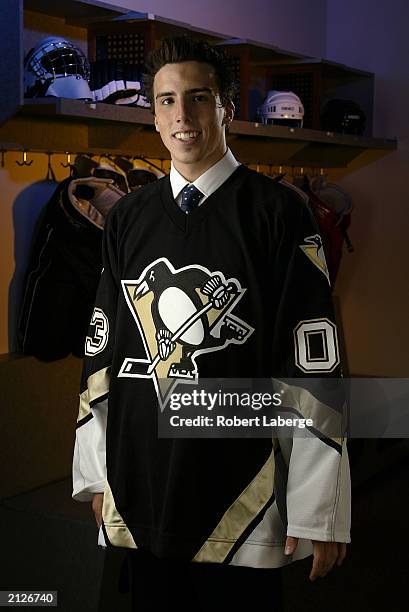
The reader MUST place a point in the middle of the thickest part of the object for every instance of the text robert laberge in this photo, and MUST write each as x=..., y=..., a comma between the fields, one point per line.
x=235, y=421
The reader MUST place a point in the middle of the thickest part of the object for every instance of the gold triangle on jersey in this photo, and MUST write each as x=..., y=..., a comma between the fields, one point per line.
x=314, y=250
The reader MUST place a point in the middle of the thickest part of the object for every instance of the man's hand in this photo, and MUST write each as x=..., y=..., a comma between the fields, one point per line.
x=97, y=507
x=326, y=554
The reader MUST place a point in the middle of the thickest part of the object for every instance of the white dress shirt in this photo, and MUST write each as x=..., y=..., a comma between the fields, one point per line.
x=207, y=182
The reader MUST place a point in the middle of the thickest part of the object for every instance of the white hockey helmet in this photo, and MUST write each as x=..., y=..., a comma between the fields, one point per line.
x=56, y=67
x=282, y=108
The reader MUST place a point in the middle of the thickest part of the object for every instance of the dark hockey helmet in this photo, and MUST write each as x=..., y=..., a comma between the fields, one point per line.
x=343, y=116
x=56, y=67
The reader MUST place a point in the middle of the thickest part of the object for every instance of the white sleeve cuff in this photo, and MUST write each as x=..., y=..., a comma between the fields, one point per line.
x=86, y=493
x=317, y=534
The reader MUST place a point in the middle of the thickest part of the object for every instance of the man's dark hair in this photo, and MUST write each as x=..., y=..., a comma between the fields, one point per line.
x=185, y=49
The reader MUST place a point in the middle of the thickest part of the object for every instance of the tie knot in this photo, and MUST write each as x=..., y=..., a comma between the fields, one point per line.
x=190, y=198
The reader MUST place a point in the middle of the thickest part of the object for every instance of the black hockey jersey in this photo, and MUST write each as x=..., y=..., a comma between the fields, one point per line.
x=63, y=271
x=237, y=289
x=61, y=281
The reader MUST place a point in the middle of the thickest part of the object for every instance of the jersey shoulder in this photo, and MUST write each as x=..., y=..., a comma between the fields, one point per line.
x=142, y=196
x=133, y=204
x=274, y=197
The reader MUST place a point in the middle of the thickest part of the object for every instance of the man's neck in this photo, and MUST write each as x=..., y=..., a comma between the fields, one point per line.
x=191, y=172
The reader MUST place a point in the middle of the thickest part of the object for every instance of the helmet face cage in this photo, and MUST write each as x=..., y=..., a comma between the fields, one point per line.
x=284, y=122
x=58, y=59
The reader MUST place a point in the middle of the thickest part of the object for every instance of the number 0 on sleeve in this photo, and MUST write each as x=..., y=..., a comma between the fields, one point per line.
x=316, y=346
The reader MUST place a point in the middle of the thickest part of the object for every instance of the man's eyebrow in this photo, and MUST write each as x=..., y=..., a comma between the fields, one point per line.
x=189, y=91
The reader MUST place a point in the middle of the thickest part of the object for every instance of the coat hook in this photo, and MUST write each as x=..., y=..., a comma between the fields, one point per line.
x=50, y=176
x=68, y=164
x=24, y=162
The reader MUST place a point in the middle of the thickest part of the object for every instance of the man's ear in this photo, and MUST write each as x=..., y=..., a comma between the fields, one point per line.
x=156, y=123
x=228, y=113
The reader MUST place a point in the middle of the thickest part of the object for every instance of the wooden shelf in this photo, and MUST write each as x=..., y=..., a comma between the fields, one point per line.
x=74, y=125
x=259, y=53
x=160, y=27
x=331, y=138
x=65, y=108
x=332, y=69
x=81, y=11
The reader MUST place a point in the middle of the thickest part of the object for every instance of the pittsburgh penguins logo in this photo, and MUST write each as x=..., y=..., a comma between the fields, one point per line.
x=314, y=250
x=180, y=315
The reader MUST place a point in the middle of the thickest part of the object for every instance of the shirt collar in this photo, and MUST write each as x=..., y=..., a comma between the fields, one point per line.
x=210, y=180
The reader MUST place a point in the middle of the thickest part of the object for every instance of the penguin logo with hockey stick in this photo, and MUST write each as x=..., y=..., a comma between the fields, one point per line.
x=180, y=315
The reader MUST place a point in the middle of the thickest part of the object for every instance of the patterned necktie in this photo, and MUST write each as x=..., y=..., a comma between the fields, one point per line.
x=190, y=198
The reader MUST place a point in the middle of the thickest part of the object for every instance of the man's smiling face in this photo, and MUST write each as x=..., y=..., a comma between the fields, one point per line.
x=189, y=116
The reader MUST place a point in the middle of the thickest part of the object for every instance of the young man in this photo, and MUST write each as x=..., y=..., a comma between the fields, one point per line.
x=214, y=271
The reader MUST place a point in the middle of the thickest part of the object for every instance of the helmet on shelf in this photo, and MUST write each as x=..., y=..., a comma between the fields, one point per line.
x=282, y=108
x=343, y=116
x=57, y=67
